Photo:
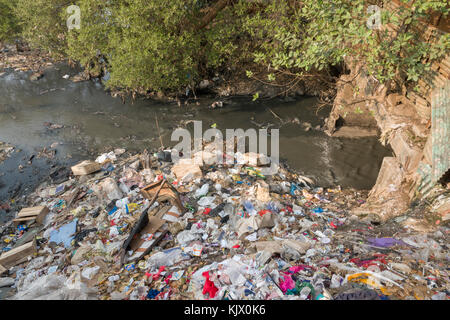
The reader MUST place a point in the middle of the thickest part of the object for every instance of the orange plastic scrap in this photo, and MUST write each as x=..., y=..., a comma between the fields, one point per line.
x=385, y=291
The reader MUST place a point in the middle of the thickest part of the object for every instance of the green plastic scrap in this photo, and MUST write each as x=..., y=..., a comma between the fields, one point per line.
x=299, y=285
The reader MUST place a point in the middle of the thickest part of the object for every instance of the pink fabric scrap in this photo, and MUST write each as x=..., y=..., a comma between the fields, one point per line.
x=287, y=284
x=298, y=268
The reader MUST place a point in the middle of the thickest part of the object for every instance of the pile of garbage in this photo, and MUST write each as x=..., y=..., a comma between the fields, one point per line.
x=142, y=227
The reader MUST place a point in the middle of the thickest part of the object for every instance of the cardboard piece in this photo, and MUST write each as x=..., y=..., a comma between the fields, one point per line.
x=167, y=193
x=147, y=224
x=299, y=246
x=255, y=159
x=151, y=228
x=187, y=170
x=85, y=167
x=2, y=270
x=18, y=255
x=153, y=225
x=262, y=192
x=270, y=246
x=31, y=214
x=277, y=246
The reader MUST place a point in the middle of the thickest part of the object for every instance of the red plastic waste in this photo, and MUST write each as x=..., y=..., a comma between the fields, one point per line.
x=209, y=287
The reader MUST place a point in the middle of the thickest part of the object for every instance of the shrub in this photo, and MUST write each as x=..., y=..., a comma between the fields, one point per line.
x=43, y=25
x=9, y=24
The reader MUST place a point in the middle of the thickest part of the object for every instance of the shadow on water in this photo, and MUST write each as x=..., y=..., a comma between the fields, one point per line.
x=95, y=122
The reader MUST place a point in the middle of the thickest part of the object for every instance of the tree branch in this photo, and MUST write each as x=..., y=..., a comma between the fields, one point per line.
x=212, y=13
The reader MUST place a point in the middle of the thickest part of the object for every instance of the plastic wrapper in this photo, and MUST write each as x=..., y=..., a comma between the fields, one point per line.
x=166, y=258
x=207, y=202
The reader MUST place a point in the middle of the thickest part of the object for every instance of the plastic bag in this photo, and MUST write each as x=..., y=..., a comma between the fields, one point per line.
x=249, y=208
x=54, y=287
x=207, y=202
x=89, y=273
x=186, y=236
x=203, y=191
x=166, y=258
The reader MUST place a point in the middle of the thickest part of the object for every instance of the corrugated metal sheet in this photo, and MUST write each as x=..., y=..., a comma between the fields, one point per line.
x=440, y=131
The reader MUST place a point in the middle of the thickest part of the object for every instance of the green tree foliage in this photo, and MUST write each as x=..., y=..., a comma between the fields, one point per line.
x=42, y=25
x=310, y=35
x=170, y=44
x=89, y=44
x=149, y=44
x=9, y=24
x=151, y=47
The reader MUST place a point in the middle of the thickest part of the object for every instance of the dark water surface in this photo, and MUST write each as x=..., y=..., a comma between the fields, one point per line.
x=95, y=122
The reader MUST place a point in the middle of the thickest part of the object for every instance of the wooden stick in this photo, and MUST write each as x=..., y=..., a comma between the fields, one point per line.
x=276, y=115
x=159, y=133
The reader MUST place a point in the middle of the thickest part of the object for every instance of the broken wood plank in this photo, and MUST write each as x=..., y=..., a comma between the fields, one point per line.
x=32, y=211
x=37, y=213
x=18, y=255
x=145, y=160
x=71, y=197
x=2, y=270
x=24, y=220
x=85, y=167
x=161, y=212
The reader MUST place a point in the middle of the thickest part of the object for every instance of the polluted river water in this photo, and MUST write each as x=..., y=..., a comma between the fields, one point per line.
x=81, y=120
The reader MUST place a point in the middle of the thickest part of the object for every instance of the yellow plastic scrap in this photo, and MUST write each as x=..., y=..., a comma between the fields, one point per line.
x=307, y=195
x=236, y=177
x=369, y=280
x=133, y=207
x=254, y=172
x=78, y=211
